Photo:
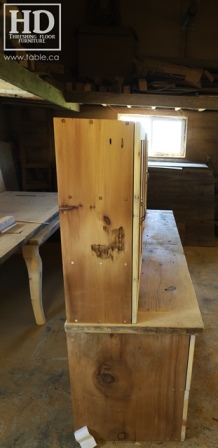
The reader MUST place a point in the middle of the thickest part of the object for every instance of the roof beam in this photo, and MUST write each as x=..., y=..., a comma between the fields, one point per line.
x=22, y=78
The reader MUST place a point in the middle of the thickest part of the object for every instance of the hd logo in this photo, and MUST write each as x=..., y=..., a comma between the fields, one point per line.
x=36, y=27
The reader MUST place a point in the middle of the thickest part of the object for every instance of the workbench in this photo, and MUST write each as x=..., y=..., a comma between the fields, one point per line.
x=37, y=218
x=137, y=377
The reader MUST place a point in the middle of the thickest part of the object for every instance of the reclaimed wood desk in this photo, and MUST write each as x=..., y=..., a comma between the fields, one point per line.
x=137, y=377
x=37, y=218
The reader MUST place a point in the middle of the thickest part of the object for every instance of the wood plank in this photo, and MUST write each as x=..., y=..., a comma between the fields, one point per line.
x=137, y=225
x=187, y=386
x=30, y=207
x=134, y=383
x=95, y=184
x=18, y=76
x=160, y=164
x=45, y=233
x=144, y=100
x=167, y=300
x=190, y=194
x=31, y=212
x=167, y=296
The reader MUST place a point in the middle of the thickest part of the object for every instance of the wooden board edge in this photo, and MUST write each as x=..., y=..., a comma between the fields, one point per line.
x=136, y=221
x=187, y=386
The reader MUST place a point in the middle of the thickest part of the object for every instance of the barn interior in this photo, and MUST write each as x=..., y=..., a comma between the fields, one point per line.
x=146, y=60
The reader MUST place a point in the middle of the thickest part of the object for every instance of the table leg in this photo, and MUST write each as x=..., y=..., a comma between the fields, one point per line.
x=34, y=266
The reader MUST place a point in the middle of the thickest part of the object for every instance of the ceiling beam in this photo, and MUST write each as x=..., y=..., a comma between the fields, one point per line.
x=22, y=78
x=9, y=90
x=144, y=100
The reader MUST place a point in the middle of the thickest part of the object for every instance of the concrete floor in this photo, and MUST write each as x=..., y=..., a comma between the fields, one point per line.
x=35, y=403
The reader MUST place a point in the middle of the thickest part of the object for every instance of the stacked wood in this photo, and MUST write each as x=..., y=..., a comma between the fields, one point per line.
x=189, y=192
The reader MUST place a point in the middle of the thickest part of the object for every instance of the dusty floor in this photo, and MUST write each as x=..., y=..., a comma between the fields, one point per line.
x=35, y=404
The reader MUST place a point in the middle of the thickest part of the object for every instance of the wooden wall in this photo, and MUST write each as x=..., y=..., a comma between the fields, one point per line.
x=163, y=30
x=202, y=134
x=189, y=192
x=202, y=145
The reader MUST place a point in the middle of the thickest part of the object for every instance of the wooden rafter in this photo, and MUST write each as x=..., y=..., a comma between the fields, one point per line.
x=22, y=78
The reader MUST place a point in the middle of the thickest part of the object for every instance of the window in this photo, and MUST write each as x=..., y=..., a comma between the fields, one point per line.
x=166, y=135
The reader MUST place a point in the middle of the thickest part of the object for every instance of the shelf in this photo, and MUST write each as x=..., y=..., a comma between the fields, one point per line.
x=143, y=100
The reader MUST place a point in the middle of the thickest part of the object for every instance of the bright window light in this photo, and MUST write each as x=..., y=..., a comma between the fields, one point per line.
x=166, y=136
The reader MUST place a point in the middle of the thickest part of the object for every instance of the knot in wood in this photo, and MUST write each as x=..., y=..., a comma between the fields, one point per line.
x=105, y=377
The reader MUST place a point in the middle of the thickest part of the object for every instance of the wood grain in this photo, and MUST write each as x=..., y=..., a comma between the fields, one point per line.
x=32, y=211
x=144, y=100
x=189, y=192
x=128, y=387
x=138, y=212
x=95, y=183
x=167, y=299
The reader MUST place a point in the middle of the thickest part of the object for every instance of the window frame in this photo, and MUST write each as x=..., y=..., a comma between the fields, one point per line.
x=152, y=154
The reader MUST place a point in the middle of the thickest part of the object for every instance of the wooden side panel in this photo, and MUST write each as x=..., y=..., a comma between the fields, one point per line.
x=136, y=253
x=95, y=184
x=128, y=387
x=188, y=385
x=145, y=173
x=139, y=209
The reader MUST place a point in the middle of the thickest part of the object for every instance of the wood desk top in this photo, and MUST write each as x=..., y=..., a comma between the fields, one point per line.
x=31, y=211
x=167, y=300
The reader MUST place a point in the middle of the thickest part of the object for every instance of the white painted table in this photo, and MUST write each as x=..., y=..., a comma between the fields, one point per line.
x=37, y=218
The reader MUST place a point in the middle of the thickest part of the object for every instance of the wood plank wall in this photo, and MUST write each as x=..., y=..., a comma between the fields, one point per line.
x=189, y=192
